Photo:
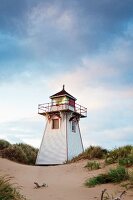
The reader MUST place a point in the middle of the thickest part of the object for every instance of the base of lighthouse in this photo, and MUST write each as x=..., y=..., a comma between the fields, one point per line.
x=62, y=139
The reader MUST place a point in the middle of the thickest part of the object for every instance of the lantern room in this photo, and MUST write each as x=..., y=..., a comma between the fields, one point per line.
x=62, y=101
x=63, y=98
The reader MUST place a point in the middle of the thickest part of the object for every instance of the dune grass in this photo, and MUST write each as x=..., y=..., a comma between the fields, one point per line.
x=123, y=156
x=92, y=152
x=127, y=162
x=8, y=190
x=92, y=165
x=4, y=144
x=119, y=154
x=21, y=153
x=129, y=183
x=116, y=175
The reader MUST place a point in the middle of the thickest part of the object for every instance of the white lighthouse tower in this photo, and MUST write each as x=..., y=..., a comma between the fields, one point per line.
x=62, y=138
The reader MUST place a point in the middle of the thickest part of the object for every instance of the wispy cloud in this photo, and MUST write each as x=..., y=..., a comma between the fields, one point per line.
x=49, y=16
x=28, y=130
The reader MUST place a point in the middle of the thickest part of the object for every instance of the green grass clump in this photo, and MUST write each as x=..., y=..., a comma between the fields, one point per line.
x=127, y=162
x=94, y=152
x=4, y=144
x=100, y=179
x=113, y=176
x=119, y=153
x=30, y=152
x=92, y=165
x=15, y=153
x=90, y=153
x=9, y=191
x=21, y=153
x=117, y=175
x=129, y=183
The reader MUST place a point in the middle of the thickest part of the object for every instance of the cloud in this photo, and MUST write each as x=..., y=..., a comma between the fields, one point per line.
x=86, y=45
x=109, y=138
x=62, y=33
x=20, y=98
x=51, y=34
x=57, y=36
x=49, y=16
x=28, y=130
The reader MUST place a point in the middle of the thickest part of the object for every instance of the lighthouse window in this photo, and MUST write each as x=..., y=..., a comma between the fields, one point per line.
x=74, y=126
x=55, y=123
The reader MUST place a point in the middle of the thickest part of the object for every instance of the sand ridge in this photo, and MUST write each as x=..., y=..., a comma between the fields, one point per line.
x=65, y=182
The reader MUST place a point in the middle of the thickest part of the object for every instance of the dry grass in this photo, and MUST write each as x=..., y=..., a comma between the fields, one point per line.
x=21, y=153
x=8, y=190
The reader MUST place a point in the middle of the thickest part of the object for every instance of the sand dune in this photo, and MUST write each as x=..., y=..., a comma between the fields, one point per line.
x=65, y=182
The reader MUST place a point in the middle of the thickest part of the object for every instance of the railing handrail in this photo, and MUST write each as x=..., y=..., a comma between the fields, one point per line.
x=46, y=107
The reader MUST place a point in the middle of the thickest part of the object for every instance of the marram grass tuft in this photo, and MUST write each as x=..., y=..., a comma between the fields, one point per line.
x=8, y=190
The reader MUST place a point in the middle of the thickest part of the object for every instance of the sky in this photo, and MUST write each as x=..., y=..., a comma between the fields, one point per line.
x=86, y=45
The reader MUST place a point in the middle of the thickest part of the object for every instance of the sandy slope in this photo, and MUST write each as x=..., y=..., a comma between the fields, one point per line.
x=65, y=182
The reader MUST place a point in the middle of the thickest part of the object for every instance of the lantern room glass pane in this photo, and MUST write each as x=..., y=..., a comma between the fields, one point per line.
x=60, y=101
x=72, y=102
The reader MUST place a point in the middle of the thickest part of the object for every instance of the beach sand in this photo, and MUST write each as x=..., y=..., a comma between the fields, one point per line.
x=65, y=182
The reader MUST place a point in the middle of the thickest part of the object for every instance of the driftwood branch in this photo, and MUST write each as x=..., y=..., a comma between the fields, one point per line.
x=120, y=197
x=103, y=193
x=40, y=186
x=116, y=198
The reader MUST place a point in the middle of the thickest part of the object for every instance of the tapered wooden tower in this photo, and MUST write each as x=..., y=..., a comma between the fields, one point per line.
x=62, y=138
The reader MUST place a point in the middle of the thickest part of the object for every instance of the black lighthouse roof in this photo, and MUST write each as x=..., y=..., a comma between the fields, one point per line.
x=63, y=93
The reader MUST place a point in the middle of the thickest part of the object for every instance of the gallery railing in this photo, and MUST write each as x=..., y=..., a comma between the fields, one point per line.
x=53, y=107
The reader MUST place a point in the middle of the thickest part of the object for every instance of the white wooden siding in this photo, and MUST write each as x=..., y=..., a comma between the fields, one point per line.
x=74, y=141
x=59, y=145
x=53, y=149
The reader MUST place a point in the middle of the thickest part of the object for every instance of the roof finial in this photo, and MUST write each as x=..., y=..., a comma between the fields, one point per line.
x=63, y=87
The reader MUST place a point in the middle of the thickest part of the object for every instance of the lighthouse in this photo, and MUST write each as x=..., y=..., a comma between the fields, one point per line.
x=62, y=137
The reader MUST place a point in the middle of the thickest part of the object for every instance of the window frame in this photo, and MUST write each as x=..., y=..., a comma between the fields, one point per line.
x=54, y=125
x=73, y=127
